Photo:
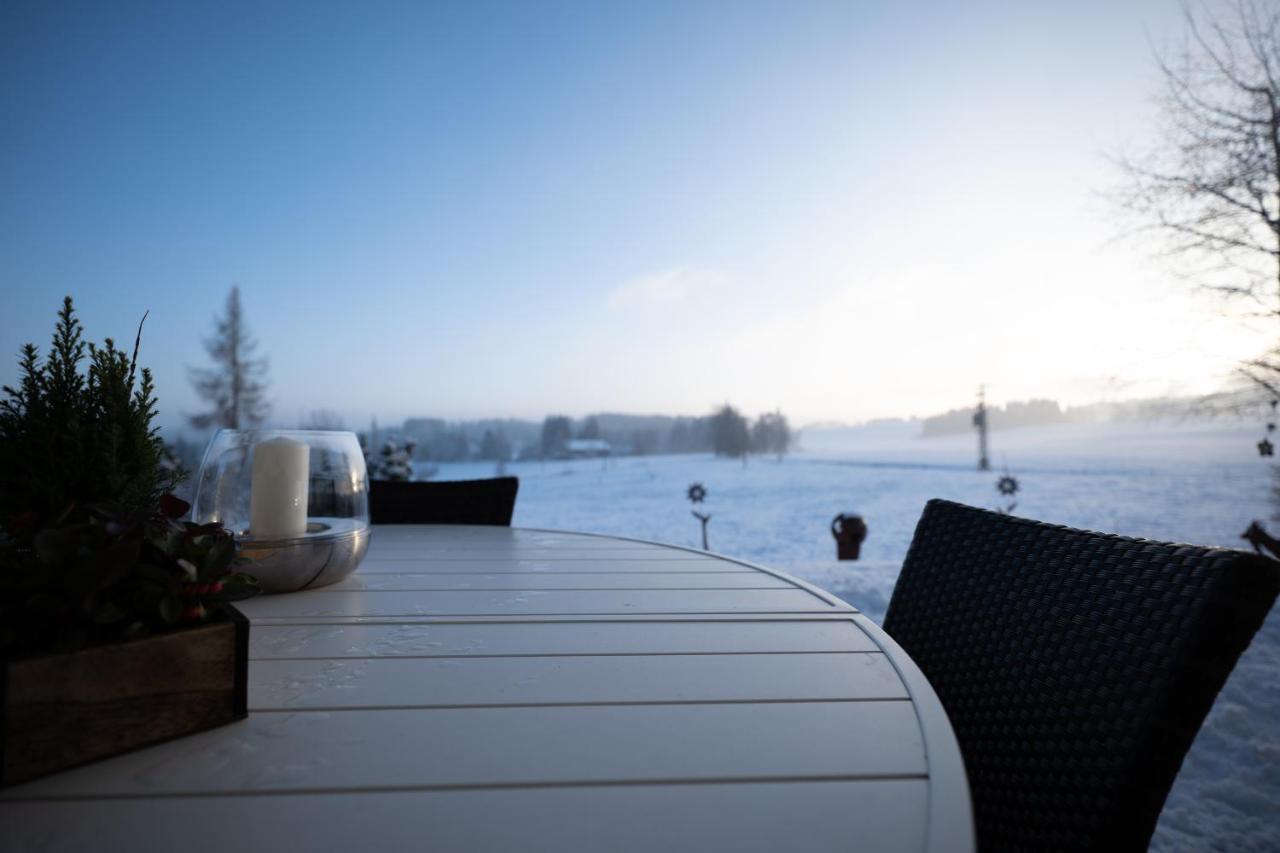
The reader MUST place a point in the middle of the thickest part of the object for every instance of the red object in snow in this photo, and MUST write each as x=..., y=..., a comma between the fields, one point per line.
x=849, y=531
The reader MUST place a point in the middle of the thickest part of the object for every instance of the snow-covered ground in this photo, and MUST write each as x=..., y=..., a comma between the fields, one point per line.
x=1191, y=483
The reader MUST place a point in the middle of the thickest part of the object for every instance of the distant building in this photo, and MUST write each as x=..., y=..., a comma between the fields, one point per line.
x=587, y=448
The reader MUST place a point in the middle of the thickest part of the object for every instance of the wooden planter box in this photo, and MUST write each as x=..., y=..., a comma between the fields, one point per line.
x=62, y=710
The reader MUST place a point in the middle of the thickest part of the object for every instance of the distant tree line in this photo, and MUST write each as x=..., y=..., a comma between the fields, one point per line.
x=725, y=432
x=454, y=441
x=732, y=435
x=1043, y=412
x=1016, y=414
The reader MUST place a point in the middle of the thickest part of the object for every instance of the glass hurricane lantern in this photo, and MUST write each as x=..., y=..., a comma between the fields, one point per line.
x=297, y=501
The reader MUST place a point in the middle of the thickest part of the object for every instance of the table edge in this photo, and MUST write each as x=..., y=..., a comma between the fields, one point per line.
x=841, y=605
x=951, y=824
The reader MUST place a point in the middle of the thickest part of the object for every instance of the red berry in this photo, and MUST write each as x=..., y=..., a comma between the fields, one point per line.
x=25, y=521
x=172, y=506
x=204, y=589
x=215, y=587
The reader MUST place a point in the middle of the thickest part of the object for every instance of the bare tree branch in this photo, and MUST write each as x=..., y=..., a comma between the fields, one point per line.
x=1210, y=188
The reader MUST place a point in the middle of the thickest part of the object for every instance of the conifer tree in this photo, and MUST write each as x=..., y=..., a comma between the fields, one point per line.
x=235, y=387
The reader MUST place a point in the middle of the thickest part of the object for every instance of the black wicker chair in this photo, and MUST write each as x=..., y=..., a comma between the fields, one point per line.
x=446, y=502
x=1076, y=667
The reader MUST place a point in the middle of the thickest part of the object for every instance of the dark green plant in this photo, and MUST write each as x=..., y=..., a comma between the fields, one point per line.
x=114, y=575
x=70, y=438
x=91, y=549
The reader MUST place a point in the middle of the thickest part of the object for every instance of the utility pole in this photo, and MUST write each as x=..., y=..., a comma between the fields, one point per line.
x=980, y=421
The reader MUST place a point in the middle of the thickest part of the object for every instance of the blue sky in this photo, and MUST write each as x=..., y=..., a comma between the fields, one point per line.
x=844, y=209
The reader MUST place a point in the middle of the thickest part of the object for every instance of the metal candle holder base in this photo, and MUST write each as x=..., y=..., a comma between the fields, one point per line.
x=330, y=550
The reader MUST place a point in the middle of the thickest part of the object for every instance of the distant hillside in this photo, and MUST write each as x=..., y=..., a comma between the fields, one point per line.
x=1032, y=413
x=450, y=441
x=1017, y=414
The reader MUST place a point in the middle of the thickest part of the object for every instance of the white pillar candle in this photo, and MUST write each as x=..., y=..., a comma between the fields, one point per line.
x=278, y=500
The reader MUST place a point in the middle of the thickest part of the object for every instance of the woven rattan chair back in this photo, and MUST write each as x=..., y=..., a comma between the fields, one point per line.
x=445, y=502
x=1075, y=667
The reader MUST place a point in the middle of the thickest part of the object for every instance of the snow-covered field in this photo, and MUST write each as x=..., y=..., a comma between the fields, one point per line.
x=1191, y=483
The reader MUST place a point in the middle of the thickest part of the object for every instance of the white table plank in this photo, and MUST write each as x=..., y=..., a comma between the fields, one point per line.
x=494, y=565
x=584, y=544
x=881, y=816
x=487, y=533
x=419, y=748
x=481, y=536
x=427, y=682
x=323, y=602
x=662, y=636
x=530, y=552
x=512, y=581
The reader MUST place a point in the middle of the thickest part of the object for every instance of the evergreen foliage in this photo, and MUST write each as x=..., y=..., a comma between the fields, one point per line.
x=771, y=433
x=590, y=428
x=235, y=387
x=556, y=432
x=70, y=438
x=91, y=548
x=494, y=446
x=731, y=435
x=393, y=461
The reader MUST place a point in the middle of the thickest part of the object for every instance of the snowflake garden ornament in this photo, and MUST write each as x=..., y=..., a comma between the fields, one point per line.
x=1008, y=486
x=697, y=493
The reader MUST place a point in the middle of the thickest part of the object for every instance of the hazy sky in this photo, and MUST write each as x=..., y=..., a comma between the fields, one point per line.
x=847, y=210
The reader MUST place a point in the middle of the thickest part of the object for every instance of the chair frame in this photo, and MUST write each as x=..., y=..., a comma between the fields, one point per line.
x=490, y=501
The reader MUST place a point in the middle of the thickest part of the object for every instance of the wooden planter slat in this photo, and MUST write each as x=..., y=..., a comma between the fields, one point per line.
x=59, y=711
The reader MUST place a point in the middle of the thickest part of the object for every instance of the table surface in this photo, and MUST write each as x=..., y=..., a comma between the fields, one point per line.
x=495, y=689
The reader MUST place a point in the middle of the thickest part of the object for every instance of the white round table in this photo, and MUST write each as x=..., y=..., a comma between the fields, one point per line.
x=491, y=689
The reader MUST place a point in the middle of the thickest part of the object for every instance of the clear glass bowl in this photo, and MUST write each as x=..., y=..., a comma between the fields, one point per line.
x=297, y=501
